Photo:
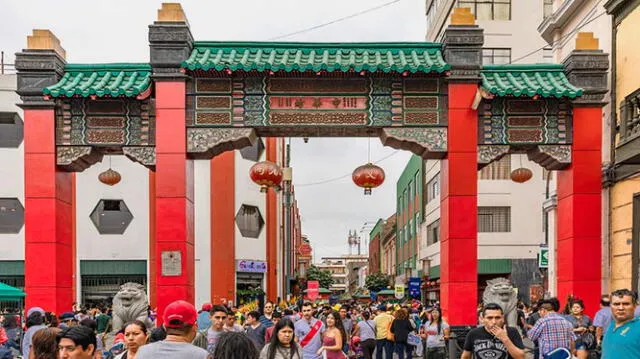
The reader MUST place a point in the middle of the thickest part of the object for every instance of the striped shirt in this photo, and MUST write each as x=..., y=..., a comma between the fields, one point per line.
x=552, y=331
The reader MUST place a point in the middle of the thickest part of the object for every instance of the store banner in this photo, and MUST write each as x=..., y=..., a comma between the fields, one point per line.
x=414, y=287
x=313, y=289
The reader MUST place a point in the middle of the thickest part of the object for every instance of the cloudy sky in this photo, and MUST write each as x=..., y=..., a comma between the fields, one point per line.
x=116, y=31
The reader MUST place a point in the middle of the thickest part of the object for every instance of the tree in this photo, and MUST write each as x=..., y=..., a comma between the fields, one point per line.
x=376, y=281
x=322, y=276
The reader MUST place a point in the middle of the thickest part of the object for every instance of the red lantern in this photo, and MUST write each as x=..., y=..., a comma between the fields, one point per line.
x=266, y=174
x=109, y=177
x=368, y=176
x=521, y=175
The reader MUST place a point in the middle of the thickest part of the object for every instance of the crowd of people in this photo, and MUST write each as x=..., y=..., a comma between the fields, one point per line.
x=348, y=330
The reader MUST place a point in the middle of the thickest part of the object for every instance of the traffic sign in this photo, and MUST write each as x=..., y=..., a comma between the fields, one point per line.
x=543, y=257
x=399, y=292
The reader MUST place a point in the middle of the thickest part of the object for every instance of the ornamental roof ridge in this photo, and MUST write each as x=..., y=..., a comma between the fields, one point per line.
x=115, y=66
x=336, y=45
x=524, y=67
x=532, y=80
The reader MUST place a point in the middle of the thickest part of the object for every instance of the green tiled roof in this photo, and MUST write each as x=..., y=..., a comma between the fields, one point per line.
x=293, y=56
x=102, y=80
x=528, y=80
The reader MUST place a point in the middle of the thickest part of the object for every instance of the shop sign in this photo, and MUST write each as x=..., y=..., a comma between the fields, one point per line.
x=399, y=291
x=414, y=287
x=251, y=266
x=304, y=250
x=313, y=289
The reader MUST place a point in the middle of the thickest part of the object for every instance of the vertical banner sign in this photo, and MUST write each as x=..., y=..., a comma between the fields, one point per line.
x=313, y=289
x=414, y=287
x=399, y=292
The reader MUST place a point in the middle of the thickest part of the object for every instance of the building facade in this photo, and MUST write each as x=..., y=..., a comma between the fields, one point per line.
x=388, y=248
x=624, y=175
x=345, y=271
x=409, y=207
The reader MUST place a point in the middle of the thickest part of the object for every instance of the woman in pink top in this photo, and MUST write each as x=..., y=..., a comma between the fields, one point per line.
x=333, y=338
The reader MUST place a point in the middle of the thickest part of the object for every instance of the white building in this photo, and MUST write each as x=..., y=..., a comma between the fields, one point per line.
x=111, y=253
x=344, y=269
x=511, y=225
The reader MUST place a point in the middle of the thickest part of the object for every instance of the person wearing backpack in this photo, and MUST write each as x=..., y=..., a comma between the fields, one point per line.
x=366, y=331
x=436, y=332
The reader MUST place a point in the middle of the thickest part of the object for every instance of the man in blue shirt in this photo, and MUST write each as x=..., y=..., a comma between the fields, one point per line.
x=267, y=313
x=308, y=332
x=603, y=317
x=621, y=339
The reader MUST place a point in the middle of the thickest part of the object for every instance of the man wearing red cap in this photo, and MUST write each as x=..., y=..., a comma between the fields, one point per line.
x=180, y=322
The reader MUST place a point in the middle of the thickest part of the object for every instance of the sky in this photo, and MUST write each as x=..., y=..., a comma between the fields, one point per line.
x=117, y=30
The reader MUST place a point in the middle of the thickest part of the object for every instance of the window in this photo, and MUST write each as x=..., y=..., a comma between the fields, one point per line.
x=405, y=196
x=488, y=9
x=433, y=188
x=417, y=219
x=418, y=181
x=411, y=192
x=111, y=216
x=412, y=229
x=547, y=9
x=11, y=215
x=249, y=221
x=400, y=237
x=496, y=56
x=547, y=55
x=11, y=130
x=497, y=170
x=494, y=219
x=433, y=232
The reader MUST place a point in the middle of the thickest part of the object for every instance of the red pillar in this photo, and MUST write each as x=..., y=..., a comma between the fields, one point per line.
x=459, y=209
x=223, y=227
x=579, y=211
x=49, y=217
x=272, y=227
x=174, y=197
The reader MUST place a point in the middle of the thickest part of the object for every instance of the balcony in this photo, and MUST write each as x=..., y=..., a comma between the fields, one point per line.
x=628, y=146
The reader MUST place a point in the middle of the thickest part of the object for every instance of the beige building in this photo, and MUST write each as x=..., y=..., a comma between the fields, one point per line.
x=344, y=270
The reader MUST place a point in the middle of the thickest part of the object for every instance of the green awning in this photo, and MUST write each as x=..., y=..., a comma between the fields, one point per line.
x=11, y=268
x=485, y=266
x=102, y=80
x=299, y=56
x=8, y=292
x=545, y=80
x=113, y=267
x=387, y=292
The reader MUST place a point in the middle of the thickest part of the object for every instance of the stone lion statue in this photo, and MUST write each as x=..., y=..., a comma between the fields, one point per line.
x=130, y=303
x=501, y=292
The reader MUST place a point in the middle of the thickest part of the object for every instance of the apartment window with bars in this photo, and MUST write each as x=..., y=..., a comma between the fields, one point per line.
x=488, y=9
x=547, y=9
x=494, y=219
x=497, y=170
x=496, y=56
x=433, y=188
x=433, y=232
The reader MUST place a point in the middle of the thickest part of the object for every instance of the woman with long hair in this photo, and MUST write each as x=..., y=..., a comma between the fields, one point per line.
x=436, y=331
x=401, y=327
x=366, y=330
x=135, y=336
x=234, y=345
x=334, y=337
x=282, y=345
x=43, y=344
x=582, y=327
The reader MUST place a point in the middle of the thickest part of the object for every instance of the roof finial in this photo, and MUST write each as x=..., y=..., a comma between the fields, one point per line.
x=462, y=16
x=44, y=39
x=586, y=41
x=171, y=12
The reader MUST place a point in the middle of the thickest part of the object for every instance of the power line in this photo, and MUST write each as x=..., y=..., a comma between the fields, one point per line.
x=344, y=176
x=351, y=16
x=565, y=37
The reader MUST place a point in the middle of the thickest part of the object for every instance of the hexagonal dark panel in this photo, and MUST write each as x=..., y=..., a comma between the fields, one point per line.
x=249, y=221
x=11, y=215
x=111, y=216
x=11, y=130
x=254, y=152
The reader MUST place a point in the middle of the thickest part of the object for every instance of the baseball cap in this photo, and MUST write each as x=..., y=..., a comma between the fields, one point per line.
x=67, y=316
x=207, y=307
x=34, y=310
x=178, y=314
